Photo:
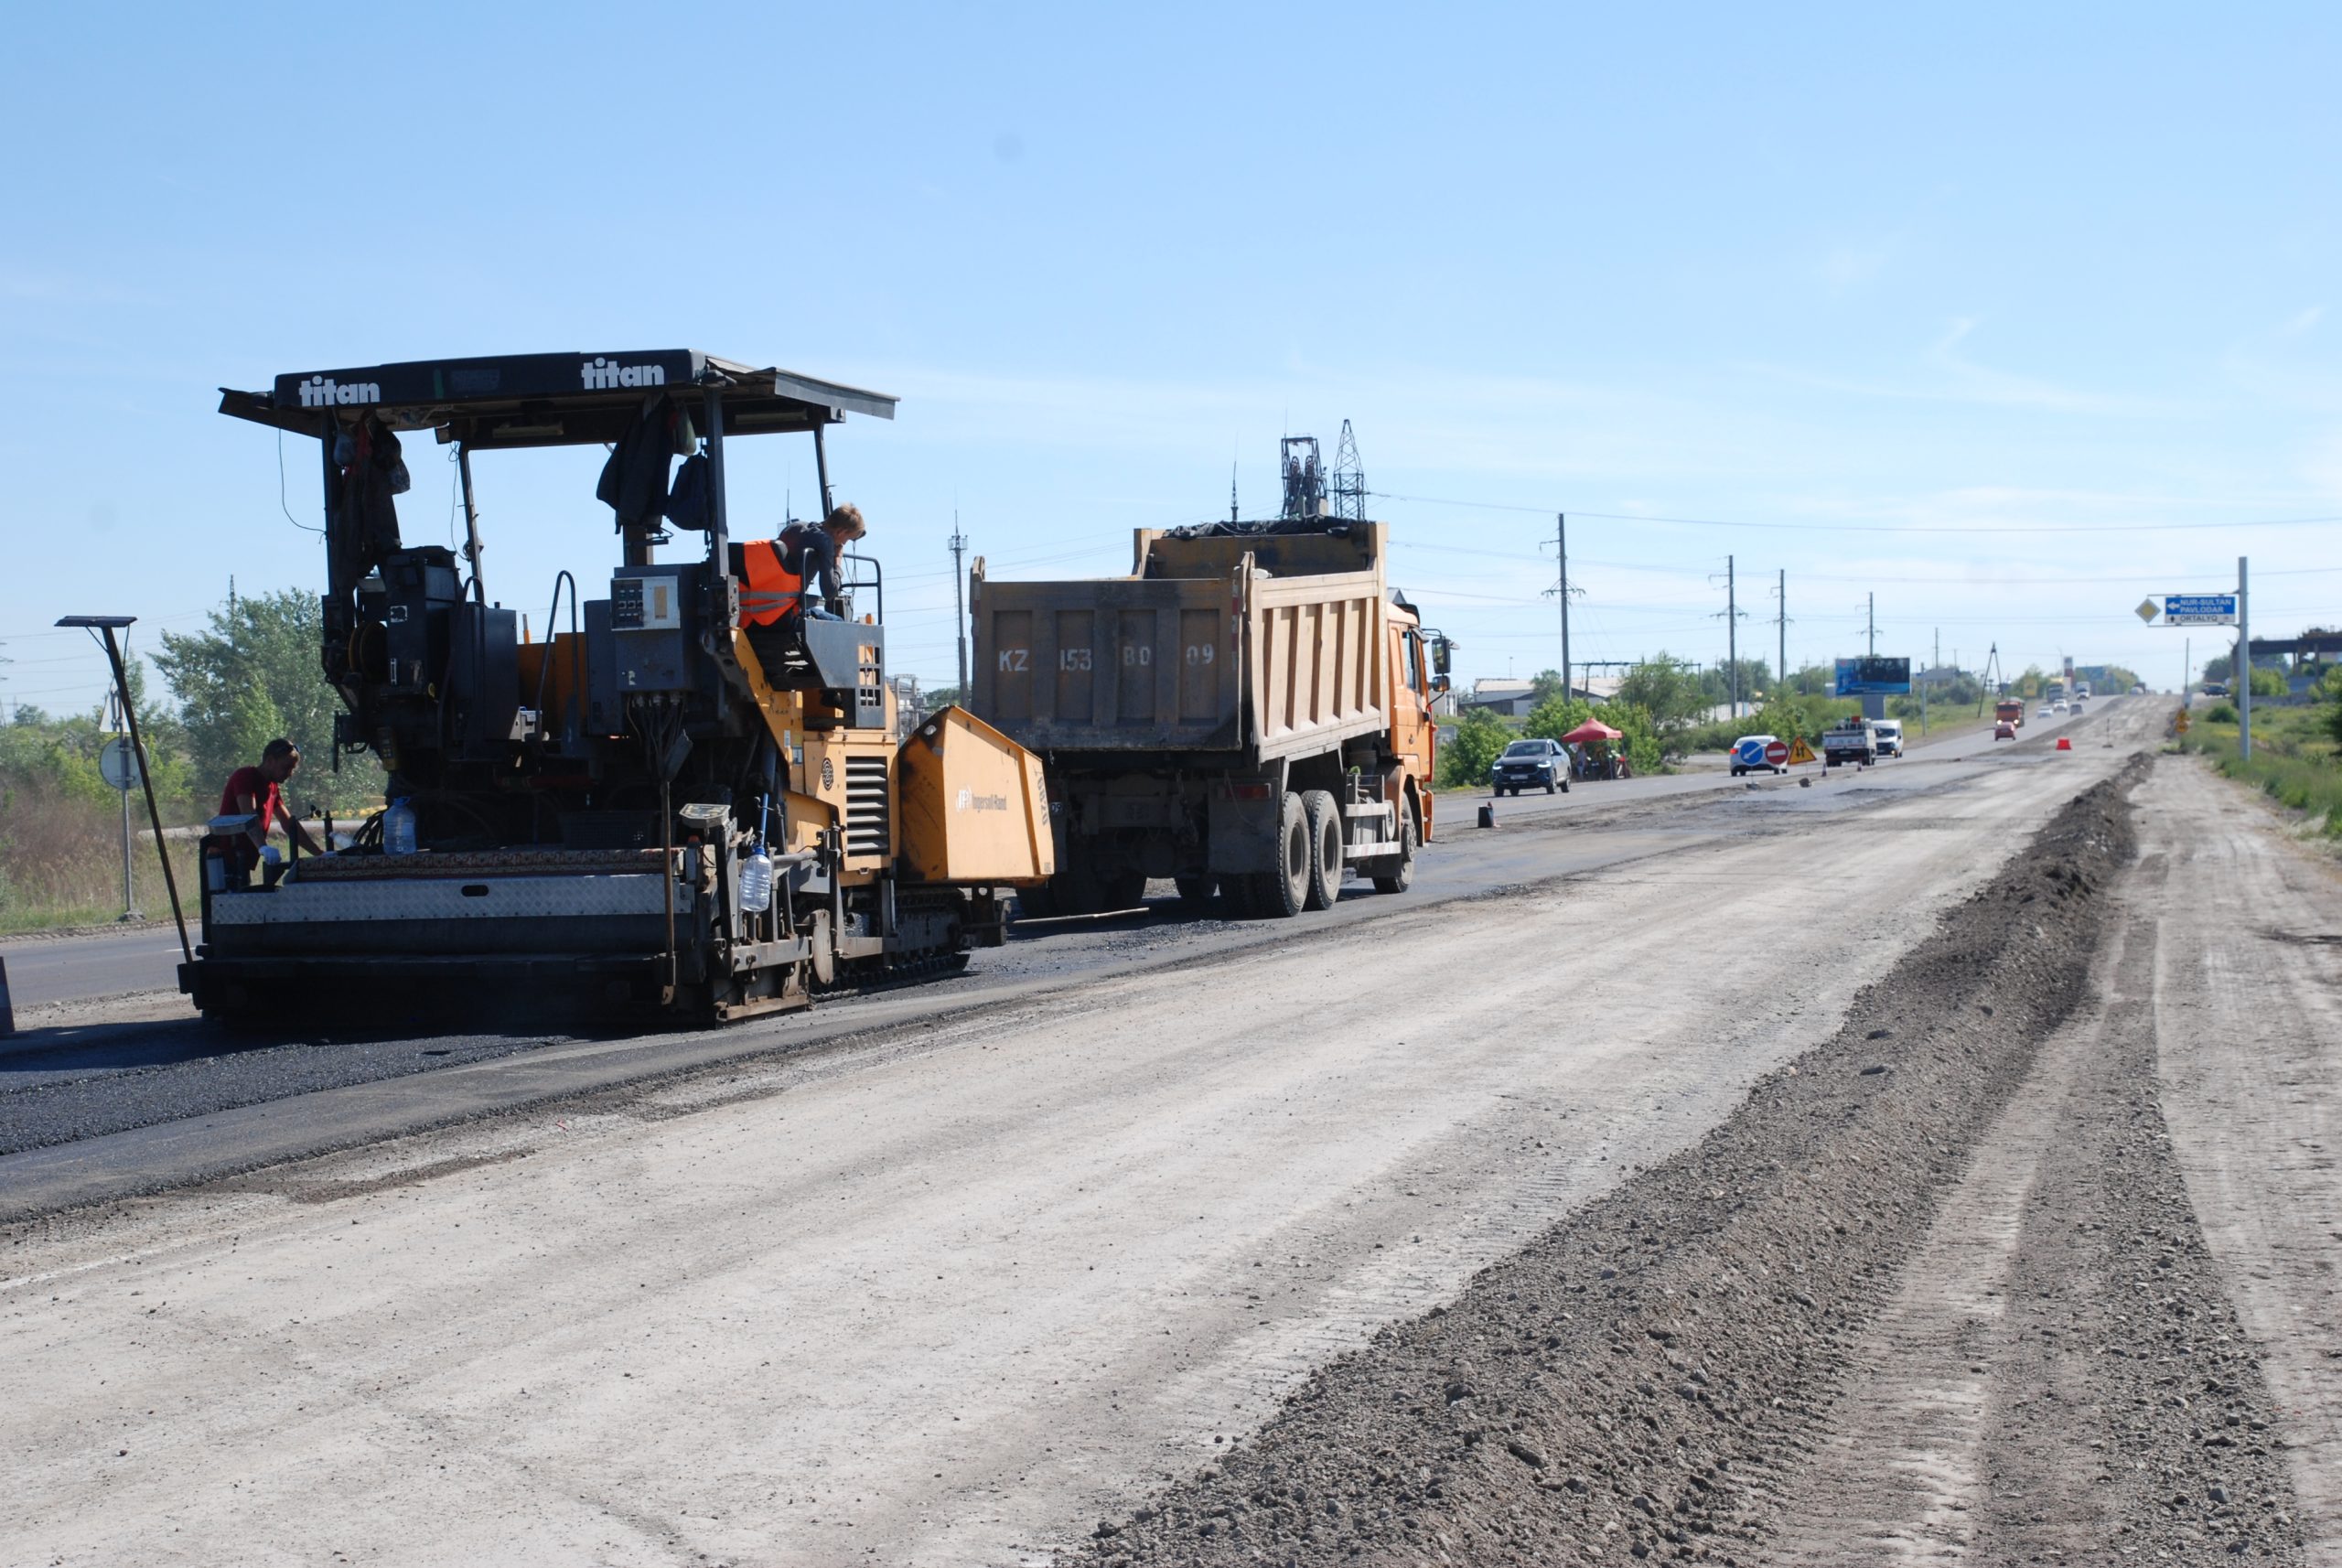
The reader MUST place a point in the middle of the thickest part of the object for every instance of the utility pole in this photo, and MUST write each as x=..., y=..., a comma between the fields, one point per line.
x=2187, y=667
x=1872, y=615
x=1561, y=590
x=959, y=597
x=2243, y=663
x=1781, y=626
x=1561, y=549
x=1231, y=492
x=1731, y=631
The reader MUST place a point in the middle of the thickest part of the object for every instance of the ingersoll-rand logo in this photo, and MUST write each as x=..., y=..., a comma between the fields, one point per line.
x=601, y=374
x=971, y=801
x=322, y=391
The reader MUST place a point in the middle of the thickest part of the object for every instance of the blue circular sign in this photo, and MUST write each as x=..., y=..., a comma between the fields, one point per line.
x=1749, y=753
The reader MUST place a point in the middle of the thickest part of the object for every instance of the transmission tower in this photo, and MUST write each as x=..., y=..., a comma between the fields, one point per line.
x=1348, y=485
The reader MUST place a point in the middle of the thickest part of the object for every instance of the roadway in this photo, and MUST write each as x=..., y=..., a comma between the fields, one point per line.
x=941, y=1275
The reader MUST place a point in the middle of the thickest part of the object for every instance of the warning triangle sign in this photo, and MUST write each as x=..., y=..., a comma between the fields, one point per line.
x=1800, y=751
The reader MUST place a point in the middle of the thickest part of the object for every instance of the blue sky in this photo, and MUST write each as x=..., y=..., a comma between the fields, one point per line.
x=2007, y=316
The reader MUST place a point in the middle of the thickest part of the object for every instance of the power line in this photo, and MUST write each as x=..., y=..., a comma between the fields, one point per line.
x=1878, y=527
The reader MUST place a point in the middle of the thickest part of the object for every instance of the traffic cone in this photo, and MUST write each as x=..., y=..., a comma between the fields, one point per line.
x=2065, y=743
x=7, y=1011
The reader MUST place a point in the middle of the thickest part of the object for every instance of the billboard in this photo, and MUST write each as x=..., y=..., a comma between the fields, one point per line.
x=1873, y=676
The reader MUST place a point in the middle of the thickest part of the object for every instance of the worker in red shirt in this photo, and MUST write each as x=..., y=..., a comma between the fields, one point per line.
x=259, y=792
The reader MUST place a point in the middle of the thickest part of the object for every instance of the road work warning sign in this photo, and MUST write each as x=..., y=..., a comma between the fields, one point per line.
x=1800, y=751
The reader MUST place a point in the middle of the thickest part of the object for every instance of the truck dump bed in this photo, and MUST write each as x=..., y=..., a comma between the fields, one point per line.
x=1259, y=644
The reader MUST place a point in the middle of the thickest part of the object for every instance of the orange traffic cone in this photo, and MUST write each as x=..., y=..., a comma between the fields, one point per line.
x=2065, y=743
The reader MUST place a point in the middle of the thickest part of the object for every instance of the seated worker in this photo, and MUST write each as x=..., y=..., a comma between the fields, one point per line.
x=776, y=574
x=259, y=792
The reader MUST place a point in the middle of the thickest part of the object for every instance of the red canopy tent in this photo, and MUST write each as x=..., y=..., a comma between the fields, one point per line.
x=1593, y=730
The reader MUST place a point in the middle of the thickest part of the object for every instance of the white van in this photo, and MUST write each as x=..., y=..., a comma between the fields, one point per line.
x=1889, y=736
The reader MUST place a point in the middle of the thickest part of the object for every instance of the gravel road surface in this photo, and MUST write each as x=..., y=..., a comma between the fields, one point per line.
x=953, y=1286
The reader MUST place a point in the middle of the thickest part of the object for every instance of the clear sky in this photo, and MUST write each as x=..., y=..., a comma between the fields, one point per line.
x=2008, y=314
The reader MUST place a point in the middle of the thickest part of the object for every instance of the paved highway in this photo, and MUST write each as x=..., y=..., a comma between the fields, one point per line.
x=63, y=969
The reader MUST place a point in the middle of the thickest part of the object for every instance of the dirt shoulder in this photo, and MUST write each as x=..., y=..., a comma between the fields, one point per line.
x=1654, y=1375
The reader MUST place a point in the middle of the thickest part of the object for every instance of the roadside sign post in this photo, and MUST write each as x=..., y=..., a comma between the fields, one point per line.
x=118, y=765
x=2244, y=665
x=2217, y=609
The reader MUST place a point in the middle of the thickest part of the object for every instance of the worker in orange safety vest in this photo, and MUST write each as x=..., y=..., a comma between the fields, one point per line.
x=775, y=572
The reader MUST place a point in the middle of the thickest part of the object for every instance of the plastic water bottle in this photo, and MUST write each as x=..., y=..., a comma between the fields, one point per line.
x=756, y=881
x=398, y=828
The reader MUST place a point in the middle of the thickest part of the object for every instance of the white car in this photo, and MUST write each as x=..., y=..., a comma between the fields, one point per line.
x=1889, y=732
x=1750, y=754
x=2058, y=706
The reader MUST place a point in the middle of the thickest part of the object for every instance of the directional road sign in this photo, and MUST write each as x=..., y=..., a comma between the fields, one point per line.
x=2147, y=611
x=2200, y=609
x=1748, y=752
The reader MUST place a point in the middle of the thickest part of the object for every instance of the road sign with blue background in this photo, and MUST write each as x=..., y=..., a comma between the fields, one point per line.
x=2200, y=609
x=1749, y=752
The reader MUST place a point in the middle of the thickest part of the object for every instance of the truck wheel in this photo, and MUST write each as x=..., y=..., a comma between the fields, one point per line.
x=1324, y=816
x=1196, y=893
x=1036, y=903
x=1284, y=892
x=1400, y=879
x=1122, y=890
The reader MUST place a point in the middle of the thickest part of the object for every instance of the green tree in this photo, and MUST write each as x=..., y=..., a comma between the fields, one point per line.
x=1664, y=689
x=252, y=675
x=1464, y=761
x=1547, y=683
x=1556, y=716
x=2328, y=691
x=2268, y=682
x=1645, y=750
x=2216, y=668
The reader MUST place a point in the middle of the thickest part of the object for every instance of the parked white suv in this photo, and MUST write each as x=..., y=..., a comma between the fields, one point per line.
x=1888, y=733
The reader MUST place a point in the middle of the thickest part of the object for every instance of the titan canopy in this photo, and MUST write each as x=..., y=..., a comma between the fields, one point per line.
x=549, y=400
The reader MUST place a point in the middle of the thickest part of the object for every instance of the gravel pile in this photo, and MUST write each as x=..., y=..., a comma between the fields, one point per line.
x=1646, y=1379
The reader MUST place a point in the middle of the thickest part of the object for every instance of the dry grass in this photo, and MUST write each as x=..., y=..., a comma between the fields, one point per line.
x=60, y=865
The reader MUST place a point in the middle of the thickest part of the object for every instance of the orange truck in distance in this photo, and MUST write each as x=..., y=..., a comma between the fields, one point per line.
x=1248, y=713
x=2011, y=709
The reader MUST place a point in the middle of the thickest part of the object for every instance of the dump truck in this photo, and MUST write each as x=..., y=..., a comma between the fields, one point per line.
x=1248, y=714
x=663, y=803
x=2010, y=710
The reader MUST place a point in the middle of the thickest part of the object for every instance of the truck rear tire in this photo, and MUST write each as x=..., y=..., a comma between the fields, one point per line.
x=1324, y=816
x=1284, y=892
x=1404, y=875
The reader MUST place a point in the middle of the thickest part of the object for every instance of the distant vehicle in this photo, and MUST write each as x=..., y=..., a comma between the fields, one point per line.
x=2139, y=689
x=2075, y=706
x=2058, y=706
x=2043, y=712
x=2081, y=688
x=2216, y=688
x=2003, y=730
x=1531, y=762
x=1850, y=740
x=1748, y=755
x=1890, y=736
x=2013, y=709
